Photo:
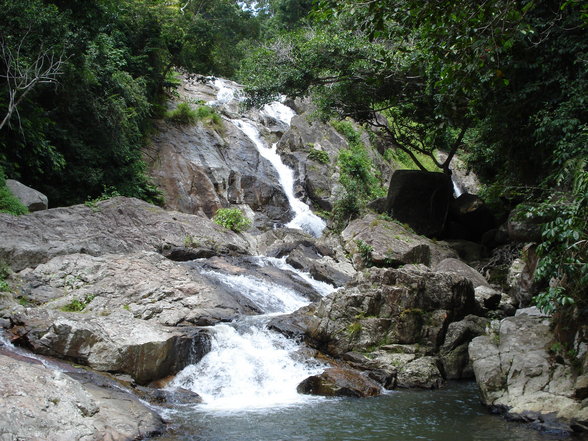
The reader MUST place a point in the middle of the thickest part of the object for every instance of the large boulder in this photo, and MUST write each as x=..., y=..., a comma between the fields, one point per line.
x=32, y=199
x=421, y=373
x=339, y=382
x=518, y=375
x=454, y=351
x=39, y=403
x=146, y=284
x=384, y=306
x=420, y=199
x=117, y=225
x=115, y=343
x=390, y=243
x=456, y=266
x=472, y=215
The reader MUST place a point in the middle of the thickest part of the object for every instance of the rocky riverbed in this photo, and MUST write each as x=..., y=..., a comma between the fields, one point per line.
x=130, y=292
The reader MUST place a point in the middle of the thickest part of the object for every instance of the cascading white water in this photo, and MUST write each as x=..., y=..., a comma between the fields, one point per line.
x=321, y=287
x=247, y=369
x=250, y=366
x=269, y=297
x=304, y=219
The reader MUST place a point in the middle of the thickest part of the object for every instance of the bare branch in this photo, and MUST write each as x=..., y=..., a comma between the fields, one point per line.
x=22, y=74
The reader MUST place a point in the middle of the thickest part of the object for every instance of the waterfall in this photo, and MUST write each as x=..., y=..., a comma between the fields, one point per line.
x=304, y=219
x=249, y=366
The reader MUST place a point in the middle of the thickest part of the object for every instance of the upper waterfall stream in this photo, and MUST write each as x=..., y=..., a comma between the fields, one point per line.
x=304, y=219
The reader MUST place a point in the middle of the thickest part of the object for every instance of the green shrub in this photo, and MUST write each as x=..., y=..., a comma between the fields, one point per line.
x=8, y=202
x=365, y=252
x=107, y=193
x=182, y=114
x=77, y=305
x=318, y=156
x=232, y=218
x=4, y=287
x=346, y=129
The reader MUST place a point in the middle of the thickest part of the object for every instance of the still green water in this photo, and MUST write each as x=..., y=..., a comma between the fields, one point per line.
x=451, y=414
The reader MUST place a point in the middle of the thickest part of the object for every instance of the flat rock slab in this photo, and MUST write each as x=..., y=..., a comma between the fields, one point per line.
x=146, y=284
x=117, y=225
x=116, y=343
x=391, y=243
x=38, y=403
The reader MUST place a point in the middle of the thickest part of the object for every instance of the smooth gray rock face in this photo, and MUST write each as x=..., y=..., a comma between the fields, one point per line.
x=421, y=373
x=117, y=225
x=145, y=283
x=32, y=199
x=115, y=343
x=392, y=244
x=517, y=374
x=38, y=403
x=454, y=351
x=456, y=266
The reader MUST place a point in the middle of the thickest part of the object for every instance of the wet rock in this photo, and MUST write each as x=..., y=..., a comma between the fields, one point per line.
x=117, y=225
x=202, y=167
x=391, y=243
x=114, y=343
x=420, y=199
x=32, y=199
x=40, y=403
x=456, y=266
x=146, y=284
x=421, y=373
x=339, y=382
x=517, y=374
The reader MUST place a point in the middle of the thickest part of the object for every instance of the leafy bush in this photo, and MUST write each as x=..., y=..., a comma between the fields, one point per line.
x=563, y=263
x=183, y=114
x=8, y=202
x=365, y=252
x=346, y=129
x=318, y=156
x=210, y=117
x=232, y=218
x=107, y=193
x=78, y=305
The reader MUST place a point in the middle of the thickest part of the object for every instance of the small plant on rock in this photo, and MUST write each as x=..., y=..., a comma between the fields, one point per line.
x=318, y=156
x=183, y=114
x=232, y=218
x=365, y=252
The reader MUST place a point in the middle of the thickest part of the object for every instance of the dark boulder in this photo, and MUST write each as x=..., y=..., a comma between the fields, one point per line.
x=340, y=382
x=473, y=215
x=420, y=199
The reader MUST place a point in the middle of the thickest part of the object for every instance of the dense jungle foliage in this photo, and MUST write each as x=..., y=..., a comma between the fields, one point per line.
x=502, y=83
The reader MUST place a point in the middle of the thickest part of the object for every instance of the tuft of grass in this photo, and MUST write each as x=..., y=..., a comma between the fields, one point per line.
x=77, y=305
x=183, y=114
x=319, y=156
